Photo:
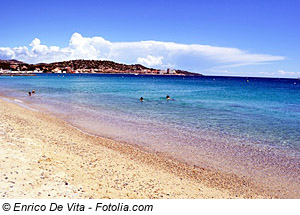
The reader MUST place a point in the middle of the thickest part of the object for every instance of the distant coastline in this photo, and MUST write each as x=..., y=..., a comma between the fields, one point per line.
x=85, y=66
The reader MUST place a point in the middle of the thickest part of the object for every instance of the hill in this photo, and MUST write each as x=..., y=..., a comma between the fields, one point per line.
x=86, y=66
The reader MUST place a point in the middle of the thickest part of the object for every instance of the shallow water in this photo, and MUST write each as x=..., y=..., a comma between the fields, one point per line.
x=246, y=126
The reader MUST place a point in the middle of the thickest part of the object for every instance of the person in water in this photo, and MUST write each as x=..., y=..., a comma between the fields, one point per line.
x=29, y=93
x=168, y=97
x=33, y=91
x=141, y=99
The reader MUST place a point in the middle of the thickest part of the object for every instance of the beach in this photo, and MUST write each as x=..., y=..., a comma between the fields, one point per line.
x=44, y=157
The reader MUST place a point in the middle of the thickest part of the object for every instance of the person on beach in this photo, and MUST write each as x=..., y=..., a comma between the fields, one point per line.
x=29, y=93
x=141, y=99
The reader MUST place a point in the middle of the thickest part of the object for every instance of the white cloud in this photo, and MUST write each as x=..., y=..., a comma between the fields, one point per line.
x=283, y=72
x=193, y=57
x=6, y=53
x=35, y=42
x=150, y=60
x=279, y=73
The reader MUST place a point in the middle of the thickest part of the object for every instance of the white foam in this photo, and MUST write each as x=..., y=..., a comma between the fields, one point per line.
x=81, y=130
x=20, y=103
x=17, y=100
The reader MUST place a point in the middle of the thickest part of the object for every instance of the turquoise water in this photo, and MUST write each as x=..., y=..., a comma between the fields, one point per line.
x=219, y=122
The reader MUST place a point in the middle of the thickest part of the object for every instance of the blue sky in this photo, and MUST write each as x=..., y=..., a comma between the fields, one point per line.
x=221, y=37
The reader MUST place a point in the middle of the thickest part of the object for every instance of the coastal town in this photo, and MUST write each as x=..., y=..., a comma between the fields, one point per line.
x=8, y=67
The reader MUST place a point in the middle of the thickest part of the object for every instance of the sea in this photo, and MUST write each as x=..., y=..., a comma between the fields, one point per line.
x=245, y=126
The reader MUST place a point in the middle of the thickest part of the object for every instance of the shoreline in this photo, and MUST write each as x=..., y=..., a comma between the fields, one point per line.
x=156, y=175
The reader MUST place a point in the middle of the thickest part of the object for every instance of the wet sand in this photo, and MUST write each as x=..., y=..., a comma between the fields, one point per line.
x=42, y=156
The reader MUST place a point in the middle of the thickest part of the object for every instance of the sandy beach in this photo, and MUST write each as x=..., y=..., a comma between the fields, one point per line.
x=44, y=157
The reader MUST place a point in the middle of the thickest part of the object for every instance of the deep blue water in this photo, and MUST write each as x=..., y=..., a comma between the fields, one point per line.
x=232, y=118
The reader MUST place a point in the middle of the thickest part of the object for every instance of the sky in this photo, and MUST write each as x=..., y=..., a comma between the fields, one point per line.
x=212, y=37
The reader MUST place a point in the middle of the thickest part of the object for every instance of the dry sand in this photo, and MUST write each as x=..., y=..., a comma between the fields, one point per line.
x=42, y=156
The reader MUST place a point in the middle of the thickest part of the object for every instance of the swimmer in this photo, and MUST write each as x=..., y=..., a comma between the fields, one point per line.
x=141, y=99
x=29, y=93
x=169, y=98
